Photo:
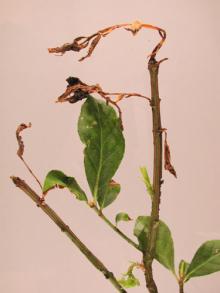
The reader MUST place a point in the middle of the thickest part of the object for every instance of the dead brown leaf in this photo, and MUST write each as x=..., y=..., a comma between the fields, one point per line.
x=82, y=42
x=94, y=43
x=20, y=151
x=20, y=128
x=167, y=158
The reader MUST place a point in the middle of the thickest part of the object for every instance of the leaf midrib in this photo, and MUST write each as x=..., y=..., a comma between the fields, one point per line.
x=100, y=158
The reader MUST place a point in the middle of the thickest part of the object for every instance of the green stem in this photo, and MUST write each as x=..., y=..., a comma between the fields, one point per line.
x=64, y=228
x=118, y=231
x=149, y=253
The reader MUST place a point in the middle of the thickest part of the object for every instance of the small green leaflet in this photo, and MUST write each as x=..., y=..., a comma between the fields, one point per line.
x=146, y=180
x=183, y=267
x=164, y=251
x=56, y=178
x=122, y=217
x=99, y=129
x=205, y=261
x=129, y=280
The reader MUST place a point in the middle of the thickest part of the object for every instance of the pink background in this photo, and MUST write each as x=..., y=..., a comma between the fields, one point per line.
x=35, y=256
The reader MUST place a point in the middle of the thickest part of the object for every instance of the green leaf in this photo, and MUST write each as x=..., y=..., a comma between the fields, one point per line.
x=146, y=180
x=129, y=281
x=112, y=192
x=99, y=129
x=122, y=217
x=183, y=267
x=56, y=178
x=164, y=251
x=206, y=260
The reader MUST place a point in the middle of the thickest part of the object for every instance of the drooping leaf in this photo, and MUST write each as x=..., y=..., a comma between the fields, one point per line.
x=122, y=217
x=99, y=129
x=164, y=251
x=56, y=178
x=183, y=267
x=206, y=260
x=146, y=180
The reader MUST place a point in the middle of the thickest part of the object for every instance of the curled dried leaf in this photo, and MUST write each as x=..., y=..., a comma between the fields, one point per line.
x=167, y=158
x=94, y=43
x=20, y=128
x=20, y=150
x=78, y=90
x=82, y=42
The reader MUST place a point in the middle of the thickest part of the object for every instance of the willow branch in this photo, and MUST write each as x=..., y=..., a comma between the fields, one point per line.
x=118, y=231
x=149, y=253
x=69, y=233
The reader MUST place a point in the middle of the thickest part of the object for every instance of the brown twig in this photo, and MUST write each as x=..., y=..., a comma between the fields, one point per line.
x=149, y=252
x=92, y=41
x=69, y=233
x=20, y=151
x=181, y=286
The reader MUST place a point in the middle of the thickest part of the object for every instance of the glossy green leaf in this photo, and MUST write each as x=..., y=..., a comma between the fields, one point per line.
x=122, y=217
x=183, y=267
x=164, y=251
x=206, y=260
x=99, y=129
x=146, y=180
x=56, y=178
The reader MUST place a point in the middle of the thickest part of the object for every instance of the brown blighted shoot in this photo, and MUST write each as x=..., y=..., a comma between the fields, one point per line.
x=20, y=151
x=77, y=90
x=20, y=128
x=92, y=41
x=167, y=157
